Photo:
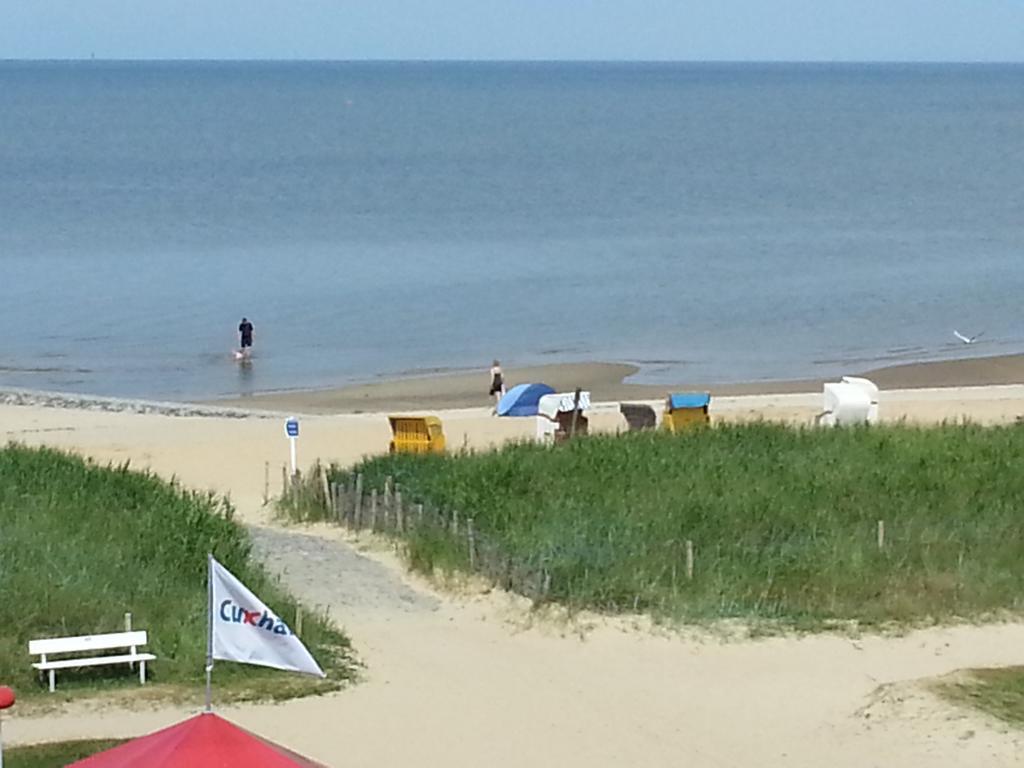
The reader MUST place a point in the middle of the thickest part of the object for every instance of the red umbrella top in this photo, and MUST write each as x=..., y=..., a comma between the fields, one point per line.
x=204, y=741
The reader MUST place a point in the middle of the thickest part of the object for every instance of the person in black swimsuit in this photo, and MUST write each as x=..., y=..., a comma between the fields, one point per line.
x=497, y=383
x=245, y=334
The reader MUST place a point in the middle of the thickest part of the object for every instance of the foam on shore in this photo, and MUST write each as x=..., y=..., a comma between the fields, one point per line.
x=27, y=397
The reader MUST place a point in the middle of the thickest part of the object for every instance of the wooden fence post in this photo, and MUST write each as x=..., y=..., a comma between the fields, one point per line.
x=398, y=510
x=266, y=483
x=284, y=480
x=881, y=534
x=471, y=539
x=298, y=621
x=419, y=515
x=455, y=522
x=689, y=560
x=326, y=485
x=575, y=412
x=357, y=509
x=373, y=509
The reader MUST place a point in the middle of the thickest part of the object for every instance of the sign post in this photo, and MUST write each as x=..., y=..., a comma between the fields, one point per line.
x=291, y=429
x=6, y=701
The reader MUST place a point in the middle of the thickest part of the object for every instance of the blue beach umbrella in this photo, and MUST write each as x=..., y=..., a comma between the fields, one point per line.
x=522, y=399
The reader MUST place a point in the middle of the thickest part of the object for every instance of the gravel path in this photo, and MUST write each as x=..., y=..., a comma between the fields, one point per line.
x=330, y=573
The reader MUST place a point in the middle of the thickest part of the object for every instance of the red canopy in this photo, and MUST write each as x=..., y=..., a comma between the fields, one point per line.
x=204, y=741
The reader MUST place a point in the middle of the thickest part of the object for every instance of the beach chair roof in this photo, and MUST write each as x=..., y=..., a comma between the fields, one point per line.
x=562, y=402
x=684, y=400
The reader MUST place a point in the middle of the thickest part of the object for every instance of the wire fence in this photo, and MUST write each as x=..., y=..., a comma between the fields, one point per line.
x=387, y=512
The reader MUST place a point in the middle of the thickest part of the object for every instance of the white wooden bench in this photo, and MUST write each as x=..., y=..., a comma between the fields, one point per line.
x=90, y=644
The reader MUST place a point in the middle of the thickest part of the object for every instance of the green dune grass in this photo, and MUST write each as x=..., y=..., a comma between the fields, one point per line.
x=998, y=692
x=80, y=545
x=783, y=522
x=53, y=755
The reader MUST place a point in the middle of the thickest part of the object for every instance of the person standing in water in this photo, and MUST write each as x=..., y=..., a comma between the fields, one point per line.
x=245, y=337
x=497, y=384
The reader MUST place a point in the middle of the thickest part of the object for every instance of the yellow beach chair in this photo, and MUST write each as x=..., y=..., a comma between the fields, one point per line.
x=686, y=411
x=416, y=434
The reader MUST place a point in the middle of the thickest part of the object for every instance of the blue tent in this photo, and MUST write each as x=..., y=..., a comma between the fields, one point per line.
x=522, y=399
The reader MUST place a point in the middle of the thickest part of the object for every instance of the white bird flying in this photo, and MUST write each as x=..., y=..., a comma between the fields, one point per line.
x=968, y=339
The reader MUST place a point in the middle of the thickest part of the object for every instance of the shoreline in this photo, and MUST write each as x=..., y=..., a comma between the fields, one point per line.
x=606, y=382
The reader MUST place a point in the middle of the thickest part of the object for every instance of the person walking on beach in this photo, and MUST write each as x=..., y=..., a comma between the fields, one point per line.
x=245, y=337
x=497, y=384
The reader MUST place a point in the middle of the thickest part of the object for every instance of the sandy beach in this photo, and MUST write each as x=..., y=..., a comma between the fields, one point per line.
x=608, y=382
x=460, y=679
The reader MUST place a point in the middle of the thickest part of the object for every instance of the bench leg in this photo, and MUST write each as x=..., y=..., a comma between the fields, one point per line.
x=142, y=673
x=53, y=684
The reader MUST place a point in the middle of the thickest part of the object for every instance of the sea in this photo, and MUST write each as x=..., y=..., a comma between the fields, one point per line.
x=708, y=222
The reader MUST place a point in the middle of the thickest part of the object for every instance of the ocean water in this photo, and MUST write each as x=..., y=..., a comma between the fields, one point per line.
x=710, y=222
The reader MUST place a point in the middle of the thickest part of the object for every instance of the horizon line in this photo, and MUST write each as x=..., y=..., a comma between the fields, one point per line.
x=382, y=60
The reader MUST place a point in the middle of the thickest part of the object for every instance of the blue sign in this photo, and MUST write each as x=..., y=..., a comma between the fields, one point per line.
x=292, y=427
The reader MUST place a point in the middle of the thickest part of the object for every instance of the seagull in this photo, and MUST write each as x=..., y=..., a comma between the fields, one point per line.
x=968, y=339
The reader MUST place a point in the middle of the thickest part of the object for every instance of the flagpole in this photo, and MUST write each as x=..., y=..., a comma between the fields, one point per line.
x=209, y=630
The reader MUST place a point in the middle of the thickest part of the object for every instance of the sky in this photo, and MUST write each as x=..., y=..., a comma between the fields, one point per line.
x=646, y=30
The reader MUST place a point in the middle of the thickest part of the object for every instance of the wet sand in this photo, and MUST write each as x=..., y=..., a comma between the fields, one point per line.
x=607, y=382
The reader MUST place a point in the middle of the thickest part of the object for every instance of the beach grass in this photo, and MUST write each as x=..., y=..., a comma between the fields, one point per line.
x=782, y=522
x=81, y=545
x=998, y=692
x=55, y=754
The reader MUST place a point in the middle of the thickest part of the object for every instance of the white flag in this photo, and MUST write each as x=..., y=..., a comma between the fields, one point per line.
x=243, y=629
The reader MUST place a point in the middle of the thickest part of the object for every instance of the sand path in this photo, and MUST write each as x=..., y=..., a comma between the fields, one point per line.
x=458, y=682
x=461, y=681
